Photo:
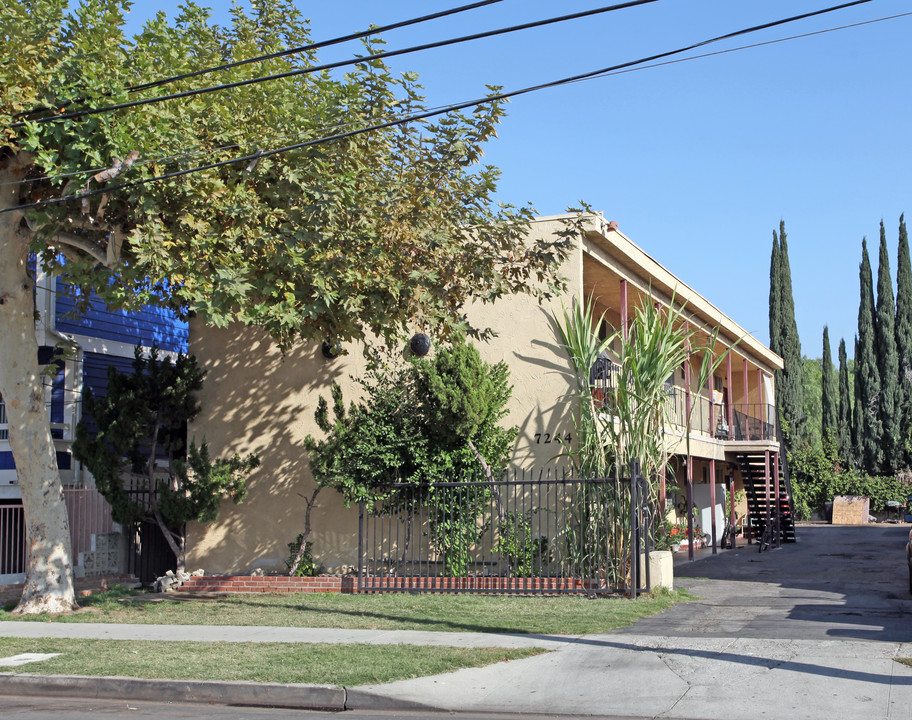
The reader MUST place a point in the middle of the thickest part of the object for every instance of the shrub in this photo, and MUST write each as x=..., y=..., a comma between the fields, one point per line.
x=308, y=566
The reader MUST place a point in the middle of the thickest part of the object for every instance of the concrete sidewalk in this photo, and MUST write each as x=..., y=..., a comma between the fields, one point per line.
x=248, y=633
x=610, y=674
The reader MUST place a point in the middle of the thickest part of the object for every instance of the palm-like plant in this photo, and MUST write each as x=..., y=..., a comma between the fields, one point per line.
x=657, y=343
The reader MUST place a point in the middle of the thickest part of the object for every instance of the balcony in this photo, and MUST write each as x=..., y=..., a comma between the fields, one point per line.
x=749, y=422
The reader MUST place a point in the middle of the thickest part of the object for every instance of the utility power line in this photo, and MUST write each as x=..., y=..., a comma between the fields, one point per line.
x=190, y=152
x=336, y=65
x=290, y=51
x=614, y=69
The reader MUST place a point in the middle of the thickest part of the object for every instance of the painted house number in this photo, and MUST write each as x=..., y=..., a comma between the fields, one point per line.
x=545, y=438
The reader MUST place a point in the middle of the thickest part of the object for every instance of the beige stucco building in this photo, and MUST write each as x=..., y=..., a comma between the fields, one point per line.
x=258, y=400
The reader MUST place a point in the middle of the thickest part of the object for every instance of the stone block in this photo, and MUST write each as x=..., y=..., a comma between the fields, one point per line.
x=661, y=570
x=850, y=510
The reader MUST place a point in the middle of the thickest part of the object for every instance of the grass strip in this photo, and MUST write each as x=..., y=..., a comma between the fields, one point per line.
x=563, y=615
x=318, y=664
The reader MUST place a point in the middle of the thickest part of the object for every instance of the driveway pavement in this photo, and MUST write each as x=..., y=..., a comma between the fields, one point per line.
x=836, y=583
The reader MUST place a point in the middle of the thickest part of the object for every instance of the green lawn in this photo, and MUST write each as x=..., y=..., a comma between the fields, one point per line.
x=567, y=615
x=258, y=662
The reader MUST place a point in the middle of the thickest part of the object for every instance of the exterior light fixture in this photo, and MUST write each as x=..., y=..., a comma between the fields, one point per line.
x=331, y=351
x=420, y=345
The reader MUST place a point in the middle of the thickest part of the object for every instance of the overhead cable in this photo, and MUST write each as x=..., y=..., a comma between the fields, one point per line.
x=431, y=113
x=336, y=65
x=373, y=30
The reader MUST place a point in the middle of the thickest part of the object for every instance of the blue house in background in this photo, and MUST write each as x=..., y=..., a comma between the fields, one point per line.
x=102, y=339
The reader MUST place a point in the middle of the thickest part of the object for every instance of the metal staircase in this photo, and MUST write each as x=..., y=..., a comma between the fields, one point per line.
x=753, y=471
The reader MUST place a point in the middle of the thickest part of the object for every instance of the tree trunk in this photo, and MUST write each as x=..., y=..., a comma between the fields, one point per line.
x=305, y=536
x=177, y=542
x=49, y=576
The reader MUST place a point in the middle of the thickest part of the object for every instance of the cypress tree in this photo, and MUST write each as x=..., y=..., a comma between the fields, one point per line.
x=844, y=409
x=775, y=310
x=887, y=362
x=904, y=341
x=867, y=374
x=829, y=415
x=790, y=388
x=857, y=416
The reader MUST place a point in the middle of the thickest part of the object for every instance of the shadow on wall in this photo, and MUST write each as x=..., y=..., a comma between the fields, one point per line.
x=256, y=399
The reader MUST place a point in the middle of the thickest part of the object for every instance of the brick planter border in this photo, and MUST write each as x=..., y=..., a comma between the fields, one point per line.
x=348, y=584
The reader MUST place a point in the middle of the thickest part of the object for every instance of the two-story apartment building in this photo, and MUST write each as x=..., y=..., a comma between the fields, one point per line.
x=259, y=400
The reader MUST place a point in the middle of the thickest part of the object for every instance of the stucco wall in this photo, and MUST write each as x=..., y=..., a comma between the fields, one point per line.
x=257, y=400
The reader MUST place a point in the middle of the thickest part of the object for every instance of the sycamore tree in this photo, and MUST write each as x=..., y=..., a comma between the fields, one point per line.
x=371, y=234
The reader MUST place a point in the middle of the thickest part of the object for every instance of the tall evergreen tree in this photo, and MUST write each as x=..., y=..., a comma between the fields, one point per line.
x=857, y=415
x=789, y=387
x=844, y=409
x=904, y=341
x=775, y=300
x=829, y=415
x=887, y=362
x=867, y=374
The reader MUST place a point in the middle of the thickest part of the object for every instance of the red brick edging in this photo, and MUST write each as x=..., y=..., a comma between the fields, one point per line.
x=348, y=584
x=268, y=583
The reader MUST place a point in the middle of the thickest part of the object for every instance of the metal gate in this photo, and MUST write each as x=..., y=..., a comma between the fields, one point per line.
x=149, y=556
x=528, y=532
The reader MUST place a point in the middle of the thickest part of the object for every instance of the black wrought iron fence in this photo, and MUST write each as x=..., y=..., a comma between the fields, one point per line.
x=527, y=532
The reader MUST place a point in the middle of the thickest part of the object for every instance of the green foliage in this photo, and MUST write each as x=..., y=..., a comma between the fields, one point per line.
x=789, y=380
x=460, y=395
x=657, y=343
x=525, y=554
x=668, y=533
x=335, y=240
x=887, y=364
x=199, y=484
x=775, y=299
x=307, y=567
x=812, y=384
x=844, y=409
x=867, y=375
x=904, y=342
x=817, y=477
x=829, y=414
x=411, y=425
x=421, y=422
x=141, y=424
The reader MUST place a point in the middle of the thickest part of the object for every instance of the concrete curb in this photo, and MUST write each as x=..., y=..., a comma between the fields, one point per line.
x=306, y=697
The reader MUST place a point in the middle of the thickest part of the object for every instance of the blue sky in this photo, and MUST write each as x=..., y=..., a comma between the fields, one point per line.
x=697, y=161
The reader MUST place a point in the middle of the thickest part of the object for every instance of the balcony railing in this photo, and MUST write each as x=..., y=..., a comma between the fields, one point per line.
x=707, y=419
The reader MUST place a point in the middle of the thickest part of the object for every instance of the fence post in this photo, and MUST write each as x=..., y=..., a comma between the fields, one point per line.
x=645, y=514
x=634, y=534
x=361, y=545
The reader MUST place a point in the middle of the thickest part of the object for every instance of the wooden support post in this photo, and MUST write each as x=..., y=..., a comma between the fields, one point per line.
x=746, y=403
x=731, y=399
x=778, y=501
x=624, y=309
x=687, y=401
x=712, y=502
x=769, y=507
